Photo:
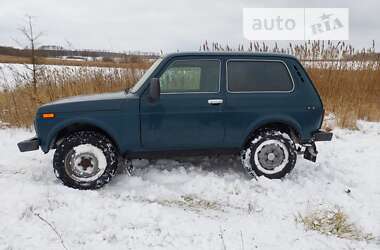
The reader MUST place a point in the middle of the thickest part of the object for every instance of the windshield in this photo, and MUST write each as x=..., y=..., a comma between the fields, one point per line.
x=140, y=82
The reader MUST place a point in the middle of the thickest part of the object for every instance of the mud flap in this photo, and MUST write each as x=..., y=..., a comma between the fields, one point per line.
x=126, y=167
x=311, y=153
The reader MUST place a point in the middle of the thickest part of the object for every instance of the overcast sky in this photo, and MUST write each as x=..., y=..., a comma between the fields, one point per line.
x=123, y=25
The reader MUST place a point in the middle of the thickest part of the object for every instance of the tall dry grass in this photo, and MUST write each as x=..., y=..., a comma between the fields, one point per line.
x=351, y=94
x=348, y=81
x=18, y=105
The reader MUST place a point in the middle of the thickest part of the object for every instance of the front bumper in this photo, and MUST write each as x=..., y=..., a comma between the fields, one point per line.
x=29, y=145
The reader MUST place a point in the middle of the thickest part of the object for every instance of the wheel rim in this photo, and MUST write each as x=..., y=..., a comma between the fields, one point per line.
x=271, y=156
x=85, y=163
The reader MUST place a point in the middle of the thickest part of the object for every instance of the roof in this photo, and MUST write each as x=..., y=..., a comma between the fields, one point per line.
x=230, y=53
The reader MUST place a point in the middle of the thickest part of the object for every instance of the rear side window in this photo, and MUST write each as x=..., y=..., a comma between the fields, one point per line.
x=186, y=76
x=251, y=76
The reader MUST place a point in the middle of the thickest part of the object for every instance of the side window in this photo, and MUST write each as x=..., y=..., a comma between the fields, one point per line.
x=250, y=76
x=186, y=76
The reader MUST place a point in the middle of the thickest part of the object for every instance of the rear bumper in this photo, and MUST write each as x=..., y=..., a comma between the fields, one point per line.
x=29, y=145
x=322, y=136
x=311, y=152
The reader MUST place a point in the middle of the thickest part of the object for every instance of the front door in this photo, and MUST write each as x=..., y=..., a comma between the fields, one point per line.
x=189, y=112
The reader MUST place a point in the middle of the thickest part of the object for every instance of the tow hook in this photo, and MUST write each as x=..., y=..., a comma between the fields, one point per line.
x=311, y=152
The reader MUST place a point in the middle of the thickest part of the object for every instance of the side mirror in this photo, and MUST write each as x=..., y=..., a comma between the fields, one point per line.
x=154, y=90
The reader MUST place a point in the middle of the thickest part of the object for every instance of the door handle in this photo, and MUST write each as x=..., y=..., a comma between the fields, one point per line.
x=215, y=101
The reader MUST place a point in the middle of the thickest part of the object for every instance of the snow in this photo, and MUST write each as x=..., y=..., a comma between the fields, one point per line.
x=356, y=65
x=10, y=73
x=196, y=203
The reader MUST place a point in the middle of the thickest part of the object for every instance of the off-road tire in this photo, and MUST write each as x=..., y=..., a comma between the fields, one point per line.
x=81, y=138
x=254, y=168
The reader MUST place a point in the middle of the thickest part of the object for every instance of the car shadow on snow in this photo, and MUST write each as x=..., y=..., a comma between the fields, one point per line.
x=217, y=165
x=220, y=166
x=224, y=169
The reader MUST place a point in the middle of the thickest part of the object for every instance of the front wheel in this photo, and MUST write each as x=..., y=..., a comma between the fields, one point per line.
x=270, y=153
x=85, y=160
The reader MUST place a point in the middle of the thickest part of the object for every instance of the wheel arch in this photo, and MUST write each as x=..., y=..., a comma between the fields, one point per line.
x=287, y=125
x=58, y=133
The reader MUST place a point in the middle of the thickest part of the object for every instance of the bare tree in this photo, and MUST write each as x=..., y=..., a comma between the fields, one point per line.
x=32, y=42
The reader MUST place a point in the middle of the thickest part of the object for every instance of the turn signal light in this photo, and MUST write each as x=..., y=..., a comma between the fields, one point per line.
x=48, y=115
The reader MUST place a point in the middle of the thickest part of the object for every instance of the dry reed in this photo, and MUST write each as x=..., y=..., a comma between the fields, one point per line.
x=18, y=107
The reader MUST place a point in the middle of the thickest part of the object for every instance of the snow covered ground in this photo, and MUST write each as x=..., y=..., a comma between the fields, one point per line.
x=197, y=203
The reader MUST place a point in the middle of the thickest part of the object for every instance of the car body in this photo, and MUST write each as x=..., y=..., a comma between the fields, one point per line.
x=220, y=105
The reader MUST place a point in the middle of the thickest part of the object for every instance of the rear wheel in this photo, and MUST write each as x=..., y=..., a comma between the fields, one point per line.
x=270, y=153
x=85, y=160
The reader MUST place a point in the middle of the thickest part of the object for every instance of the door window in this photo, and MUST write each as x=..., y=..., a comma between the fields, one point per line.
x=191, y=76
